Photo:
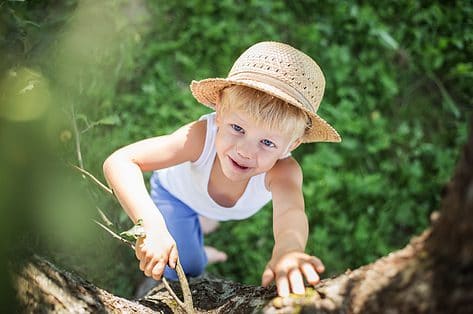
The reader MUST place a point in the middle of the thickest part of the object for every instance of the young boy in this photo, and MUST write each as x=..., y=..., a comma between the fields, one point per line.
x=228, y=165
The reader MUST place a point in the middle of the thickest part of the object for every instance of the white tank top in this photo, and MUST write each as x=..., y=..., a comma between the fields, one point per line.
x=188, y=182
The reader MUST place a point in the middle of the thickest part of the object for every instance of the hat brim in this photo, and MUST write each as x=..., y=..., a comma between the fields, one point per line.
x=207, y=92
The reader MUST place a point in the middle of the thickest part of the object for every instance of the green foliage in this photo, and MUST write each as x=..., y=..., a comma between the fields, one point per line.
x=398, y=90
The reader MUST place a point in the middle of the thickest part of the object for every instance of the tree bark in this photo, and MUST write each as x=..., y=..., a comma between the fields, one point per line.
x=42, y=287
x=432, y=274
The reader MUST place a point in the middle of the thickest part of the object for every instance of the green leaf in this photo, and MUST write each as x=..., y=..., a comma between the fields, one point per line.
x=110, y=120
x=387, y=39
x=135, y=232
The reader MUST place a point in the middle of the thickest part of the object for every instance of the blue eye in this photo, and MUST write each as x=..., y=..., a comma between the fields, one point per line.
x=237, y=128
x=268, y=143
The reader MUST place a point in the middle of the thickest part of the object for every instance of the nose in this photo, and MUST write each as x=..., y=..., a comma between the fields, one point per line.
x=246, y=149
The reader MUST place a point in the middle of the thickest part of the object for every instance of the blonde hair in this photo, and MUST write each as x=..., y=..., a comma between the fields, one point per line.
x=265, y=109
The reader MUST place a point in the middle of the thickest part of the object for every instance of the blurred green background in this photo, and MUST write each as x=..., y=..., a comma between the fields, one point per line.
x=81, y=78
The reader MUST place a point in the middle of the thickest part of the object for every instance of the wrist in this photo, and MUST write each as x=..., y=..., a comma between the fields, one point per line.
x=279, y=251
x=155, y=228
x=289, y=241
x=152, y=221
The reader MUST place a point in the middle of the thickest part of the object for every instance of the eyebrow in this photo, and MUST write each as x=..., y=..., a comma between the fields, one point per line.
x=238, y=117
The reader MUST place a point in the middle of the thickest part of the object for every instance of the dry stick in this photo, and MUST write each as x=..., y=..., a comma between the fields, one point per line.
x=186, y=292
x=187, y=305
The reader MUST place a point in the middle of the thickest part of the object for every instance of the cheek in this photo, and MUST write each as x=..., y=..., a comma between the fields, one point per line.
x=222, y=142
x=268, y=160
x=218, y=143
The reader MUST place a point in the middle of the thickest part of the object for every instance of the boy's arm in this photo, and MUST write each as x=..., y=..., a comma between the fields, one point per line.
x=123, y=171
x=290, y=226
x=289, y=263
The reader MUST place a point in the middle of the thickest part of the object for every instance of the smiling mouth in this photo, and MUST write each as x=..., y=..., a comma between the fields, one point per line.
x=237, y=165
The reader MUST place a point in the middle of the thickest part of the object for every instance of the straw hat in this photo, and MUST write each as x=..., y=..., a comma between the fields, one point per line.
x=281, y=71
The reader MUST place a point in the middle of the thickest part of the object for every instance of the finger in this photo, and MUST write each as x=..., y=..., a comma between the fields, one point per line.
x=150, y=266
x=296, y=281
x=283, y=286
x=157, y=271
x=310, y=274
x=145, y=259
x=142, y=264
x=268, y=276
x=139, y=249
x=173, y=256
x=319, y=266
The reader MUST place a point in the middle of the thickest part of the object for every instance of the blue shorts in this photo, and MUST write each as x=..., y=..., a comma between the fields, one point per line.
x=184, y=226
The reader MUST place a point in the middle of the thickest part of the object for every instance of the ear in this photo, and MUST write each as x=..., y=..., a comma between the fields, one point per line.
x=295, y=144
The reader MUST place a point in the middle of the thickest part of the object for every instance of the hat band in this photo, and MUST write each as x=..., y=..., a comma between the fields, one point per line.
x=284, y=87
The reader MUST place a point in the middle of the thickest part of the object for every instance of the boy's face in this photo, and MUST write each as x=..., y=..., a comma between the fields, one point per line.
x=246, y=149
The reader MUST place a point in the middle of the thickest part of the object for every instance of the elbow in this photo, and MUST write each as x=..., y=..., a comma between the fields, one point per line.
x=107, y=166
x=118, y=162
x=110, y=164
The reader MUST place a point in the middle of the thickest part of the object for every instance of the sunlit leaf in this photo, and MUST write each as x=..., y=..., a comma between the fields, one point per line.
x=110, y=120
x=135, y=232
x=387, y=39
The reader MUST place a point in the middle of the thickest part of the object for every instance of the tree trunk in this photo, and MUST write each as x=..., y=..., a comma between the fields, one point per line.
x=42, y=287
x=432, y=274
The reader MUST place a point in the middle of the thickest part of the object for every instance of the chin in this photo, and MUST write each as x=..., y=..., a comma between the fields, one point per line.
x=237, y=177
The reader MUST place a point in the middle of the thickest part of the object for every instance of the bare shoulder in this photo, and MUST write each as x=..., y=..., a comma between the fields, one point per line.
x=192, y=136
x=184, y=144
x=286, y=172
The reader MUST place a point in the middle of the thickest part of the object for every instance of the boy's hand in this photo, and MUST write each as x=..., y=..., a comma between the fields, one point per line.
x=289, y=270
x=155, y=251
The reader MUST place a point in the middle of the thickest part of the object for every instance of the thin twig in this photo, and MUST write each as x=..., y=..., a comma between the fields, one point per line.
x=104, y=217
x=444, y=92
x=77, y=137
x=85, y=172
x=116, y=236
x=176, y=298
x=186, y=291
x=187, y=304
